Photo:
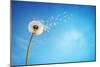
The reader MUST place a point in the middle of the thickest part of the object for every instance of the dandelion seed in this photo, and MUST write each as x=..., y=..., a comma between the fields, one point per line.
x=54, y=24
x=64, y=12
x=48, y=31
x=65, y=16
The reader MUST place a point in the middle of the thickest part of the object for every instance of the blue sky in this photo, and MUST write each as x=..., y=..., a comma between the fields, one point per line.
x=70, y=36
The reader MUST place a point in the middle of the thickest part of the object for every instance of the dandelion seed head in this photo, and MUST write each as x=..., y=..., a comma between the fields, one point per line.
x=36, y=27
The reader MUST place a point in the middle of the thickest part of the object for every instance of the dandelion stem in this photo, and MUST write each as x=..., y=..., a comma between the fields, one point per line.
x=28, y=49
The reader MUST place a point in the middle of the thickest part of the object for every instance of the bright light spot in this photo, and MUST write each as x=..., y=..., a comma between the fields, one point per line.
x=69, y=37
x=75, y=34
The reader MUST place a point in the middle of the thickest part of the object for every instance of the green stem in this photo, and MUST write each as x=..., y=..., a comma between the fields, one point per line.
x=28, y=49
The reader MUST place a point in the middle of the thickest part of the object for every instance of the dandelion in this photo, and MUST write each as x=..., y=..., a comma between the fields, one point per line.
x=36, y=28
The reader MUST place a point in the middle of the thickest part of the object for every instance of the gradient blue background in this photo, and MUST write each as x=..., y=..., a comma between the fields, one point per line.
x=72, y=39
